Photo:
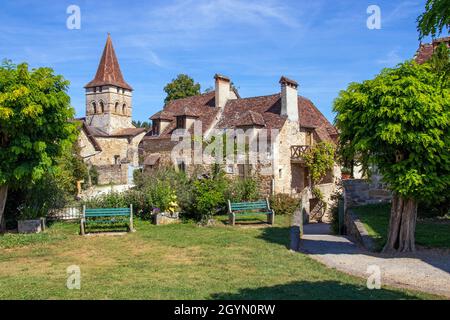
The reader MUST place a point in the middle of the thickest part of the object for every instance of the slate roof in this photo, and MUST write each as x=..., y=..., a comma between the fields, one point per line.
x=108, y=72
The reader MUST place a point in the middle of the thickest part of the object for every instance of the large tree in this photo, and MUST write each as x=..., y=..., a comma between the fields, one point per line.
x=181, y=87
x=399, y=123
x=34, y=125
x=435, y=18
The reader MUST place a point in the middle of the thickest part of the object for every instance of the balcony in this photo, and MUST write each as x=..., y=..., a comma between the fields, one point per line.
x=298, y=152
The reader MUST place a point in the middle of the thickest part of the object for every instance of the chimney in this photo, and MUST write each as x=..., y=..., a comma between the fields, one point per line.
x=289, y=98
x=223, y=88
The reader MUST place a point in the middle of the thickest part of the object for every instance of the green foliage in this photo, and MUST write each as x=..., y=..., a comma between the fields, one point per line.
x=93, y=173
x=181, y=87
x=435, y=18
x=34, y=122
x=142, y=124
x=320, y=160
x=208, y=196
x=400, y=122
x=240, y=190
x=334, y=211
x=284, y=204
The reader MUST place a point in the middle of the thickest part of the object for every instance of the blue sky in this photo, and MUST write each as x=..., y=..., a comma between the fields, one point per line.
x=324, y=45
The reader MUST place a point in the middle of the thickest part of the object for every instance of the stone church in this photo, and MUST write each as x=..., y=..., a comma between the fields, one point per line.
x=107, y=139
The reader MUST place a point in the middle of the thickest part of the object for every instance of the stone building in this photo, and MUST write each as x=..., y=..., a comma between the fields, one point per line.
x=108, y=140
x=298, y=123
x=426, y=50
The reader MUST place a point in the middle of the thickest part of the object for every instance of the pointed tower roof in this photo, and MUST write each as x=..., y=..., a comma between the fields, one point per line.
x=108, y=72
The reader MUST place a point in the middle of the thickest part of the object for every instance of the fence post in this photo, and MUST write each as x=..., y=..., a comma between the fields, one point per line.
x=131, y=218
x=82, y=221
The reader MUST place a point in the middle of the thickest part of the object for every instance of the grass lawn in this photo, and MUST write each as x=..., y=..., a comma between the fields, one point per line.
x=173, y=262
x=433, y=233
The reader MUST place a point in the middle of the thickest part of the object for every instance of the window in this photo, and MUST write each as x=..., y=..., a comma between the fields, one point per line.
x=116, y=108
x=118, y=90
x=182, y=166
x=280, y=173
x=101, y=89
x=155, y=127
x=102, y=107
x=244, y=170
x=181, y=122
x=95, y=89
x=124, y=107
x=308, y=138
x=116, y=159
x=94, y=107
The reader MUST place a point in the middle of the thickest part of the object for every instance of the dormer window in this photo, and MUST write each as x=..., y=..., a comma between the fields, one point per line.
x=181, y=122
x=156, y=127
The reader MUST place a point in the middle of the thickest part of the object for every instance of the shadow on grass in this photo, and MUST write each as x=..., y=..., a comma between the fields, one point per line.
x=277, y=235
x=321, y=290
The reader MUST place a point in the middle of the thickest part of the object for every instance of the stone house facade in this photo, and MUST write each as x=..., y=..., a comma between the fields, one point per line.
x=292, y=122
x=107, y=139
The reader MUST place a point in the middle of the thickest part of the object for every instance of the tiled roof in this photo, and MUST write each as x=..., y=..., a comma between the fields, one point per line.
x=269, y=107
x=202, y=105
x=426, y=50
x=163, y=115
x=108, y=72
x=261, y=111
x=186, y=111
x=250, y=118
x=152, y=159
x=128, y=132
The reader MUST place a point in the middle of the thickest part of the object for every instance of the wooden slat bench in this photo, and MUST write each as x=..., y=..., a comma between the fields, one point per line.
x=250, y=208
x=106, y=216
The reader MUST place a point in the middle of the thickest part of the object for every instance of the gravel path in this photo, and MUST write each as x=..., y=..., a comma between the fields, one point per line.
x=426, y=270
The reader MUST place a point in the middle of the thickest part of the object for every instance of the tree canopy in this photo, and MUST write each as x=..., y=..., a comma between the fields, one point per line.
x=181, y=87
x=435, y=18
x=34, y=124
x=399, y=122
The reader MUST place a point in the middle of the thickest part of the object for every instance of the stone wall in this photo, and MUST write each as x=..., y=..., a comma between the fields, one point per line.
x=112, y=174
x=359, y=192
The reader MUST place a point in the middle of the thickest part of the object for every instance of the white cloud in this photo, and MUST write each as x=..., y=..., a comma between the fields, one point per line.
x=391, y=59
x=203, y=14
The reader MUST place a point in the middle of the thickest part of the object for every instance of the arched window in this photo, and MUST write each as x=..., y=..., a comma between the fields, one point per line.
x=116, y=108
x=102, y=107
x=124, y=107
x=94, y=107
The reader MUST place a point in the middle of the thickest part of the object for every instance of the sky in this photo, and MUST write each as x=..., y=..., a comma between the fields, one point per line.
x=322, y=44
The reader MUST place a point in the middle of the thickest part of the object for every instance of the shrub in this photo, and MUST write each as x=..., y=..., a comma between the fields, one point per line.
x=284, y=204
x=334, y=211
x=208, y=198
x=243, y=190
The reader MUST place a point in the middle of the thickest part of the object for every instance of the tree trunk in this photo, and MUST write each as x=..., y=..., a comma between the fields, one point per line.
x=402, y=226
x=3, y=196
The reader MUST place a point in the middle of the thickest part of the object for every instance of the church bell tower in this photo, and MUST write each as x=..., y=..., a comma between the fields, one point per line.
x=108, y=96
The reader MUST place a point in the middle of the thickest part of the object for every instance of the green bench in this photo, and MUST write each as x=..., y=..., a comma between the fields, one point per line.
x=106, y=216
x=250, y=208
